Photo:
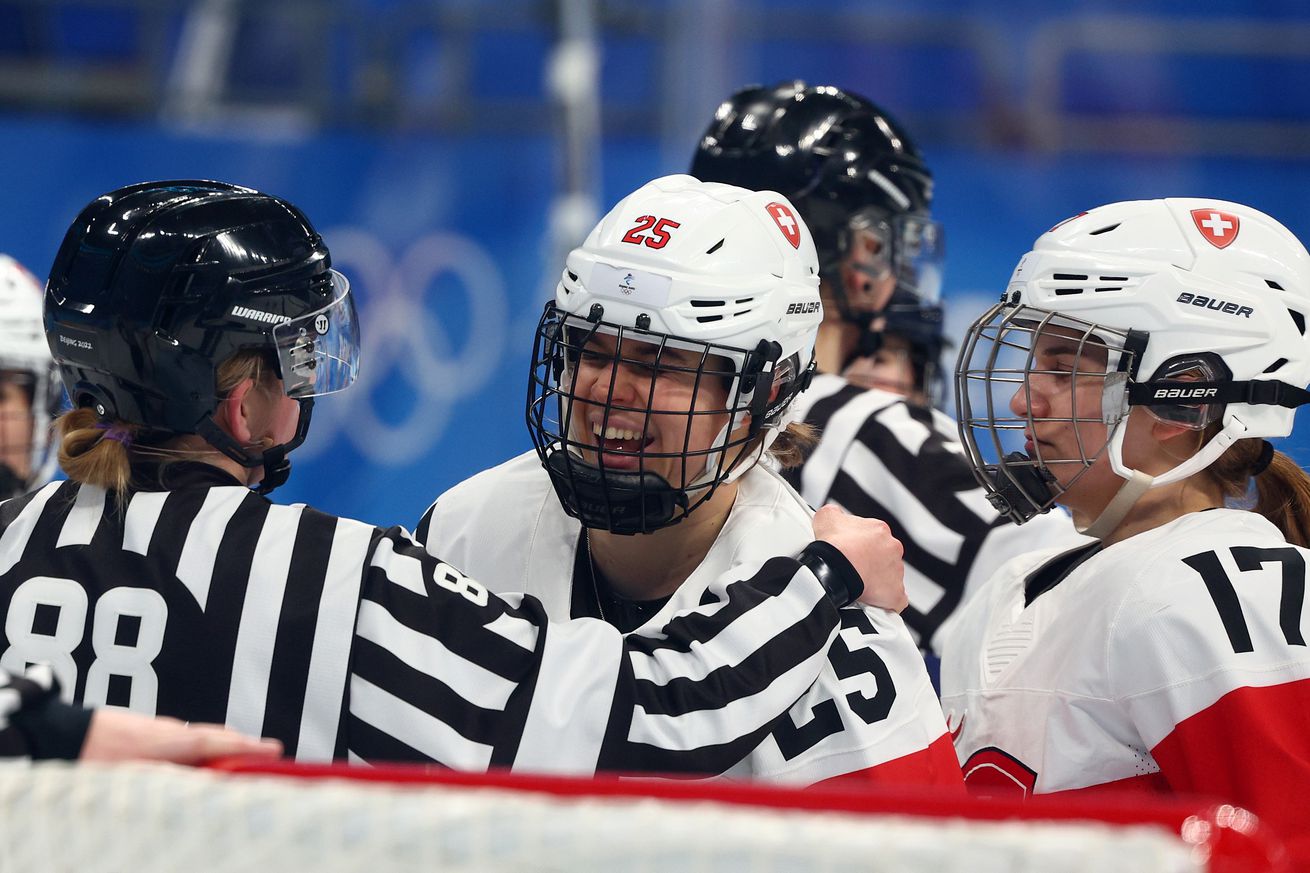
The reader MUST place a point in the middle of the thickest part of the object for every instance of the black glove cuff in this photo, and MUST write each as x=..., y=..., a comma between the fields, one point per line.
x=52, y=728
x=835, y=573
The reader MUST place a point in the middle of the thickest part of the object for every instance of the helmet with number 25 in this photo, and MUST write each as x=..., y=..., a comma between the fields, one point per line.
x=681, y=331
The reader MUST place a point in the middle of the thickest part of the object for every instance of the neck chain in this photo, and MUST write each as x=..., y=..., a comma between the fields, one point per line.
x=591, y=570
x=625, y=614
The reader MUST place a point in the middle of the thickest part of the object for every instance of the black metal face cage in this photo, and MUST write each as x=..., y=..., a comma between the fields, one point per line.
x=632, y=498
x=996, y=363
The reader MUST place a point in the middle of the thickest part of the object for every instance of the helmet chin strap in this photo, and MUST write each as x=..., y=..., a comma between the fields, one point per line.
x=277, y=467
x=768, y=431
x=1139, y=483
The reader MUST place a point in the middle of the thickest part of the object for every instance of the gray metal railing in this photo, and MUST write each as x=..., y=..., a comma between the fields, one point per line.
x=425, y=65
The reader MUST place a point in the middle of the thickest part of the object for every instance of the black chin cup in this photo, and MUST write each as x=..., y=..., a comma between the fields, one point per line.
x=277, y=469
x=617, y=501
x=1021, y=489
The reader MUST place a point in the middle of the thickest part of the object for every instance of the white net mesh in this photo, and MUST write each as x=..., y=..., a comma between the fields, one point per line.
x=138, y=819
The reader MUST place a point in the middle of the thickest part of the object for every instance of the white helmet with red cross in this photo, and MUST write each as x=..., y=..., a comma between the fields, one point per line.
x=1194, y=309
x=726, y=274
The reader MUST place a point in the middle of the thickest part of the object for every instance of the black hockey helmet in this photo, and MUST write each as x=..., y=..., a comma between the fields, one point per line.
x=845, y=163
x=156, y=284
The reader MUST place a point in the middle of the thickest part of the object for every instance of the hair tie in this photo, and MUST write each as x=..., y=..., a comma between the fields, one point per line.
x=120, y=435
x=1264, y=459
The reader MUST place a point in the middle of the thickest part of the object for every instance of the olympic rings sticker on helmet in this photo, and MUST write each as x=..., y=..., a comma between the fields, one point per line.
x=319, y=351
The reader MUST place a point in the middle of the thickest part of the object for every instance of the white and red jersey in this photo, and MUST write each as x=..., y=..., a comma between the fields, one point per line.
x=871, y=715
x=1172, y=661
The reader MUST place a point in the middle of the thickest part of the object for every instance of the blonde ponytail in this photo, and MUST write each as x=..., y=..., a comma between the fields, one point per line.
x=93, y=452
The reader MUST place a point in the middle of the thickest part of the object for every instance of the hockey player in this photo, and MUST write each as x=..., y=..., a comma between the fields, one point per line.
x=193, y=324
x=1140, y=356
x=30, y=393
x=681, y=332
x=865, y=191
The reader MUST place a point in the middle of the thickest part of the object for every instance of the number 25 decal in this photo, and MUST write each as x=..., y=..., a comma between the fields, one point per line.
x=659, y=231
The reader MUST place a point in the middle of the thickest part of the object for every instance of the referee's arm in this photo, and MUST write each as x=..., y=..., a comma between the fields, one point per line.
x=443, y=670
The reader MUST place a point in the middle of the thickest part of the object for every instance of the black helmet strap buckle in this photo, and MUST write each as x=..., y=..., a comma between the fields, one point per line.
x=277, y=467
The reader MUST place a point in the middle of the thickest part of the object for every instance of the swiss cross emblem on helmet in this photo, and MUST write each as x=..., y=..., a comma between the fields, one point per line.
x=786, y=221
x=1218, y=228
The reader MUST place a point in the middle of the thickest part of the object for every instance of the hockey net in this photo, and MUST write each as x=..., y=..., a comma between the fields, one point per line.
x=285, y=818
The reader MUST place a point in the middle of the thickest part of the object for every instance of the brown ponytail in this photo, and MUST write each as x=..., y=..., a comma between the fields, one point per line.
x=793, y=445
x=1282, y=489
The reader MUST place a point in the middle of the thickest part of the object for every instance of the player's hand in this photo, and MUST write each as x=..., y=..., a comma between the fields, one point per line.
x=870, y=547
x=118, y=735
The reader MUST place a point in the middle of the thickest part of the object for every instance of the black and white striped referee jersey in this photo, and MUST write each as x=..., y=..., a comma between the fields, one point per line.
x=209, y=603
x=880, y=456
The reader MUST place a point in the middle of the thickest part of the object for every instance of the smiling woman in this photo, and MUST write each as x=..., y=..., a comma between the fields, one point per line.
x=658, y=383
x=663, y=375
x=644, y=405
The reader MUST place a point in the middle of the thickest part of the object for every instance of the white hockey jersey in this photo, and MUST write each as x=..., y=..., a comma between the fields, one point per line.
x=871, y=714
x=1172, y=661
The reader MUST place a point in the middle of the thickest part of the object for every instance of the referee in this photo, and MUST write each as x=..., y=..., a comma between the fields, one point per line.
x=193, y=324
x=865, y=191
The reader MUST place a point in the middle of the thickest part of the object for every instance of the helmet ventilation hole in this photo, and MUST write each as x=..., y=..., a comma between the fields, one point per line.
x=714, y=248
x=1106, y=229
x=1299, y=319
x=1275, y=366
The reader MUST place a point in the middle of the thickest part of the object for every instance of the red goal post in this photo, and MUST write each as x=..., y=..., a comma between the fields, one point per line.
x=286, y=817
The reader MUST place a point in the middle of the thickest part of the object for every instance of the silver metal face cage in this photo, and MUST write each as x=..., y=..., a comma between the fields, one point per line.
x=1011, y=345
x=623, y=496
x=998, y=362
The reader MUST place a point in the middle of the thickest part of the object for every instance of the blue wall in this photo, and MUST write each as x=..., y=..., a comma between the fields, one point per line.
x=443, y=241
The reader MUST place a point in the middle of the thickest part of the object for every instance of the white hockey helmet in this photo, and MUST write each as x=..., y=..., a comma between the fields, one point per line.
x=25, y=359
x=1195, y=309
x=723, y=272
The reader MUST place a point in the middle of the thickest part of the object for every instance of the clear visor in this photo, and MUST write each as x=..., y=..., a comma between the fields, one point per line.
x=909, y=248
x=319, y=351
x=919, y=256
